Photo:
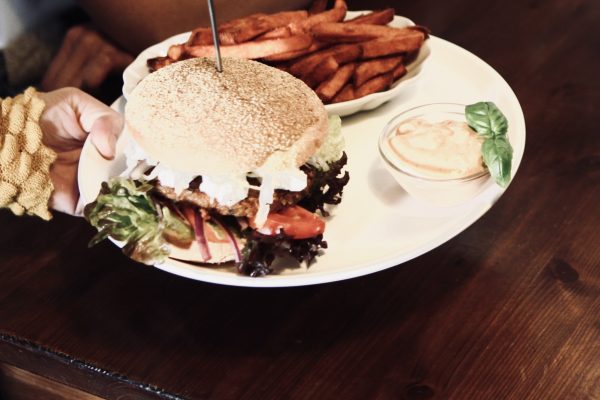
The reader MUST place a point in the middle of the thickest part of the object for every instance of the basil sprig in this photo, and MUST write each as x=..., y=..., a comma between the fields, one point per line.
x=488, y=121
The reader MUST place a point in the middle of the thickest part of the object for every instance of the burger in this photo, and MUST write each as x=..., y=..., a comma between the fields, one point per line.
x=236, y=166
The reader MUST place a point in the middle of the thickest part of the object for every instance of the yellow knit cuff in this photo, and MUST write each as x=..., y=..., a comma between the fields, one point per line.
x=25, y=185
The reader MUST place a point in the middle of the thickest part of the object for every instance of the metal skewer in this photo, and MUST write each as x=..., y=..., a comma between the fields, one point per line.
x=215, y=34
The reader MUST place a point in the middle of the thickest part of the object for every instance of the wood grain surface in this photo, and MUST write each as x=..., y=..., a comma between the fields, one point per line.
x=509, y=309
x=18, y=384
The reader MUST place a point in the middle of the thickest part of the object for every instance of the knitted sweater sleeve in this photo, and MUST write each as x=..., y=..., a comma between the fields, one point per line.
x=25, y=185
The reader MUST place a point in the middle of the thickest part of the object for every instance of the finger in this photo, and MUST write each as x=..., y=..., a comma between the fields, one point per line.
x=66, y=193
x=102, y=122
x=96, y=70
x=122, y=60
x=85, y=48
x=79, y=207
x=60, y=120
x=61, y=58
x=108, y=61
x=89, y=110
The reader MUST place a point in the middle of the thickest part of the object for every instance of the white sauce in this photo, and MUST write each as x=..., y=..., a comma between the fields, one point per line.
x=447, y=149
x=168, y=177
x=293, y=180
x=227, y=190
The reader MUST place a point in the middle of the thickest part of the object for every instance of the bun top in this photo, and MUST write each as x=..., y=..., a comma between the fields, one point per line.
x=194, y=119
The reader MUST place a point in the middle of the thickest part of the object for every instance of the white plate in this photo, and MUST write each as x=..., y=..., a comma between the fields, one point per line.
x=377, y=225
x=137, y=70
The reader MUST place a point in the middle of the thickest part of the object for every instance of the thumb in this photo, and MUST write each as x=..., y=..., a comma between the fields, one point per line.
x=104, y=133
x=102, y=122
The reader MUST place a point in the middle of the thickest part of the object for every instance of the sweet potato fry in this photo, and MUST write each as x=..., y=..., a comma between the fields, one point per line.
x=176, y=51
x=410, y=57
x=203, y=36
x=324, y=70
x=328, y=89
x=339, y=32
x=420, y=28
x=374, y=85
x=200, y=36
x=346, y=94
x=290, y=55
x=253, y=50
x=243, y=29
x=281, y=32
x=399, y=72
x=157, y=63
x=317, y=6
x=378, y=17
x=264, y=23
x=342, y=53
x=341, y=61
x=336, y=14
x=369, y=69
x=411, y=40
x=238, y=23
x=345, y=53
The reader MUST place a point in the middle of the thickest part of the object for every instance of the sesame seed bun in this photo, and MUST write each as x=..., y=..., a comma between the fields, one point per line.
x=194, y=119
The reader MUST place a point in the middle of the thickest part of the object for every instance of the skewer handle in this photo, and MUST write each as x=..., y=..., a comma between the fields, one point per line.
x=215, y=34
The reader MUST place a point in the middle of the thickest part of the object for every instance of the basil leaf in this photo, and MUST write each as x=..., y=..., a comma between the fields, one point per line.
x=497, y=155
x=486, y=119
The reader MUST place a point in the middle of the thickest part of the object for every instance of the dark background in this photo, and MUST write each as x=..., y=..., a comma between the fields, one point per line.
x=506, y=310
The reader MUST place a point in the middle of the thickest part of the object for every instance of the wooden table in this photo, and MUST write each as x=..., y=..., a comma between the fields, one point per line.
x=509, y=309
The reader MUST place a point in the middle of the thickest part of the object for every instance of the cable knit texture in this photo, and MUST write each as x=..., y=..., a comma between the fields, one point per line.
x=25, y=185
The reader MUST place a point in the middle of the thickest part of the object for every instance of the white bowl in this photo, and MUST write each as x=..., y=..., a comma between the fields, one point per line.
x=438, y=191
x=138, y=69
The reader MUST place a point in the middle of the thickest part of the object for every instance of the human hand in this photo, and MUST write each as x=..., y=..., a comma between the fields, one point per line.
x=70, y=115
x=84, y=60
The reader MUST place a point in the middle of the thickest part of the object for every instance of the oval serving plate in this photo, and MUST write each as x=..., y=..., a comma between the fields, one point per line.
x=377, y=225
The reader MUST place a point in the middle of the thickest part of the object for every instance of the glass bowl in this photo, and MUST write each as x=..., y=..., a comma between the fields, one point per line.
x=439, y=191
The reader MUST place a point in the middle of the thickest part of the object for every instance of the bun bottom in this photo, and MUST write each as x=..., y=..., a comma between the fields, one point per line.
x=220, y=253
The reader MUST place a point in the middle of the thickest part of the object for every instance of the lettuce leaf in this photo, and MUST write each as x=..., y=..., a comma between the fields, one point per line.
x=125, y=211
x=261, y=250
x=327, y=185
x=332, y=147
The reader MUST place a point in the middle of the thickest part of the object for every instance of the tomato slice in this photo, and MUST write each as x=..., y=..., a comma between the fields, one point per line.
x=294, y=221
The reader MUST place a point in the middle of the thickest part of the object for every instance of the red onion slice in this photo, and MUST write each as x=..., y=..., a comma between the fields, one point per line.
x=195, y=218
x=232, y=241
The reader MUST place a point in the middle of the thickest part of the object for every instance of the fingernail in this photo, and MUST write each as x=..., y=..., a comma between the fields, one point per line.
x=112, y=143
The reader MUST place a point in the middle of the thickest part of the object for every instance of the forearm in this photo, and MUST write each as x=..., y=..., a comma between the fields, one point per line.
x=25, y=185
x=141, y=23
